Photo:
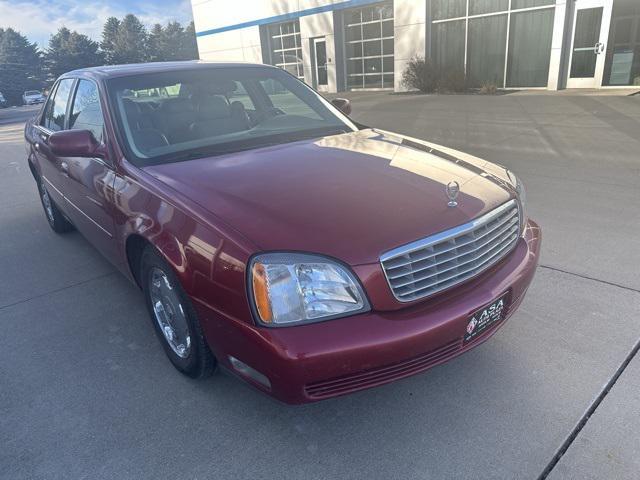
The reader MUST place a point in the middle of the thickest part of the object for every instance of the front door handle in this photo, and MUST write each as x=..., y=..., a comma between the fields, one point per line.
x=64, y=168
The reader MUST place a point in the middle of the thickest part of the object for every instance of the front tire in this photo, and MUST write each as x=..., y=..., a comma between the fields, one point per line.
x=55, y=217
x=174, y=318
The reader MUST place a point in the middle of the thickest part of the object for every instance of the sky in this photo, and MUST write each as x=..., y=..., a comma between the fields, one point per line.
x=39, y=19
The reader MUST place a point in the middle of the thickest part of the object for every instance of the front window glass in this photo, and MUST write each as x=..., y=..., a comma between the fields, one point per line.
x=86, y=113
x=180, y=115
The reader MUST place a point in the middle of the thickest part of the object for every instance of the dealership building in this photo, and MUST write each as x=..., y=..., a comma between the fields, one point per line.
x=338, y=45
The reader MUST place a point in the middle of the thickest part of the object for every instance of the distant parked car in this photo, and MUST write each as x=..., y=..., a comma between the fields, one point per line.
x=3, y=101
x=309, y=255
x=32, y=97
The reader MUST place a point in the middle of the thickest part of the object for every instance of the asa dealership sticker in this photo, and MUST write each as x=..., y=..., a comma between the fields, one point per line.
x=483, y=319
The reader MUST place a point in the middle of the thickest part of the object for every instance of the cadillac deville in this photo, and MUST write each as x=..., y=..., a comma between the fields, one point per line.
x=273, y=236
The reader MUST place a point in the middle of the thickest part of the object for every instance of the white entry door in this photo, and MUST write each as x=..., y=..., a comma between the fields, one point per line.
x=591, y=22
x=321, y=79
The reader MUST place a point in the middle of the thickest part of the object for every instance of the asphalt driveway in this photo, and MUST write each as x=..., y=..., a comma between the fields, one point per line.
x=86, y=390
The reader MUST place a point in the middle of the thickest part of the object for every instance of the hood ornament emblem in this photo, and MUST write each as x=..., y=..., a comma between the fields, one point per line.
x=452, y=190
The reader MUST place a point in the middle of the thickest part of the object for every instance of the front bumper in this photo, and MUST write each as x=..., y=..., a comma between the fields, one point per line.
x=327, y=359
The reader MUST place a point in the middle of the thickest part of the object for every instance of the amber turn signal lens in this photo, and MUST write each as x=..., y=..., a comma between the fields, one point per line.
x=261, y=293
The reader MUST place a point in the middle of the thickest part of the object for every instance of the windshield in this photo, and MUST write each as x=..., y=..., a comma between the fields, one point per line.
x=31, y=93
x=186, y=114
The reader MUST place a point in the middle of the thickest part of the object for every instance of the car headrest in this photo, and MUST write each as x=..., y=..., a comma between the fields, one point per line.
x=177, y=105
x=237, y=108
x=134, y=113
x=222, y=87
x=130, y=106
x=214, y=106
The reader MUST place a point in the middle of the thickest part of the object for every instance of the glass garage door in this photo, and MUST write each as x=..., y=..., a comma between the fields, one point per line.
x=369, y=46
x=286, y=47
x=622, y=65
x=506, y=43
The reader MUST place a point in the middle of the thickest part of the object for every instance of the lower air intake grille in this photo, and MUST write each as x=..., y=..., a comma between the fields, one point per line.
x=377, y=376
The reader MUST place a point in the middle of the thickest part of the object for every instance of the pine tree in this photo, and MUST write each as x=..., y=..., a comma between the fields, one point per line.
x=109, y=35
x=189, y=43
x=127, y=41
x=68, y=51
x=20, y=65
x=156, y=43
x=172, y=42
x=130, y=45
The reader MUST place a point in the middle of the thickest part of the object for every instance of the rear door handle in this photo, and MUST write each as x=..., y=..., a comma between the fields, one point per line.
x=64, y=168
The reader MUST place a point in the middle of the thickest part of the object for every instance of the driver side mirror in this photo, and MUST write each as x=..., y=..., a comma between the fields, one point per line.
x=75, y=143
x=342, y=104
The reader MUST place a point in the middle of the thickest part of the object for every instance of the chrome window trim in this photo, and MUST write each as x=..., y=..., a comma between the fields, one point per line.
x=44, y=130
x=446, y=235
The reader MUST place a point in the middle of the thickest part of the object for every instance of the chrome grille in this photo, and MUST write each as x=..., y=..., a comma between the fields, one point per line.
x=440, y=261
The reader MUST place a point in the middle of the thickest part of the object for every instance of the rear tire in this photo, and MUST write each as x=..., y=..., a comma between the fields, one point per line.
x=56, y=219
x=174, y=318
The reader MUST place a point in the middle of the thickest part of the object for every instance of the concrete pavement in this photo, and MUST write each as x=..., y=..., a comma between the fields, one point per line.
x=86, y=391
x=607, y=447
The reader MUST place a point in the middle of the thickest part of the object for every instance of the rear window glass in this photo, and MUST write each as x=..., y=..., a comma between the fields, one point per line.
x=55, y=113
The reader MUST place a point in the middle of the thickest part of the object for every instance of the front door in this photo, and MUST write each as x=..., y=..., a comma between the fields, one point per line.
x=321, y=79
x=588, y=46
x=89, y=187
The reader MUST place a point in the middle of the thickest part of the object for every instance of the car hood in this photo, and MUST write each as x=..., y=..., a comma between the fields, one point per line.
x=351, y=196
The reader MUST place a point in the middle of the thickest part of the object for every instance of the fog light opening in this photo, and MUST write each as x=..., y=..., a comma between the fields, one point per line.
x=245, y=370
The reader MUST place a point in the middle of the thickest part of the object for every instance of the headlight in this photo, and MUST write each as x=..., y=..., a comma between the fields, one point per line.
x=522, y=196
x=293, y=288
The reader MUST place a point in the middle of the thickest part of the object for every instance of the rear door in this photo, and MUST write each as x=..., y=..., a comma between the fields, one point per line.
x=54, y=119
x=89, y=181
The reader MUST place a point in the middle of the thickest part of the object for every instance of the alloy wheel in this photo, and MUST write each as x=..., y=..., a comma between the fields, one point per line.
x=169, y=313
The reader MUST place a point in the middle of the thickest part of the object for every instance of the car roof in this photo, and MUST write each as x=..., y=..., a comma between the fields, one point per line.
x=112, y=71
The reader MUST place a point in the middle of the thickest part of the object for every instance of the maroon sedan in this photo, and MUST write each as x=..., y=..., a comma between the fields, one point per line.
x=272, y=235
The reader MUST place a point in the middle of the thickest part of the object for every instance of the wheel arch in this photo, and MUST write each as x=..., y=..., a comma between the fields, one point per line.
x=134, y=246
x=166, y=245
x=33, y=169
